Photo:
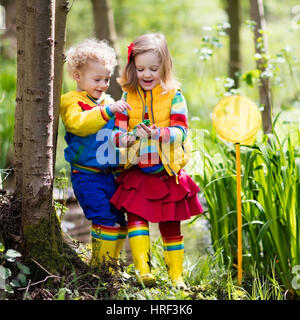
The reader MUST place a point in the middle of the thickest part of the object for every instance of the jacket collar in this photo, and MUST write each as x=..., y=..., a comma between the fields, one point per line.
x=157, y=90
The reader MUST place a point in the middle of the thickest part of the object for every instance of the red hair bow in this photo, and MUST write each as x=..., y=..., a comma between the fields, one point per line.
x=130, y=48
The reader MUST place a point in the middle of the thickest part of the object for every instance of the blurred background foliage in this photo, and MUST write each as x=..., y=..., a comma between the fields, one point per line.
x=197, y=38
x=196, y=34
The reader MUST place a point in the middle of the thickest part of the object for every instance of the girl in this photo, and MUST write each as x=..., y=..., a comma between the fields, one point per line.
x=155, y=188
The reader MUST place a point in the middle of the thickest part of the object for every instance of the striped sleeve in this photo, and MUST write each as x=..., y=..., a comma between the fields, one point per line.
x=178, y=121
x=106, y=113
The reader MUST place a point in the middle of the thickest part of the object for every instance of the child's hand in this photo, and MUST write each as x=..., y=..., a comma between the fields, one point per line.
x=127, y=141
x=119, y=106
x=144, y=132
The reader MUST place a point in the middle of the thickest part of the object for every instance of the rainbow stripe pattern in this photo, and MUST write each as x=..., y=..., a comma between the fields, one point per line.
x=173, y=243
x=105, y=232
x=149, y=160
x=86, y=169
x=122, y=233
x=138, y=228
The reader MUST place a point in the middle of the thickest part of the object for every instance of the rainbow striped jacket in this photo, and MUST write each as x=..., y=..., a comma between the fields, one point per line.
x=169, y=149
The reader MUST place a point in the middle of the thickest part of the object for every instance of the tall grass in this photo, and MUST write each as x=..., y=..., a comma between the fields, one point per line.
x=270, y=203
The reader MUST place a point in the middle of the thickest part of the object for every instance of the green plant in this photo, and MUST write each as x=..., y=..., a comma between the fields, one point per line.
x=271, y=213
x=265, y=287
x=7, y=108
x=61, y=184
x=10, y=280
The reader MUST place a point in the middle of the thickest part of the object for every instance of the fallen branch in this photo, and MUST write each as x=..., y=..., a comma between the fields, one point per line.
x=38, y=282
x=50, y=274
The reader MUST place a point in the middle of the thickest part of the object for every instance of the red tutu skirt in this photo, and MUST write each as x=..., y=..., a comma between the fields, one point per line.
x=157, y=197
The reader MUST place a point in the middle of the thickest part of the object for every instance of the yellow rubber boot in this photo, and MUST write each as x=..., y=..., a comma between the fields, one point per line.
x=138, y=234
x=121, y=238
x=173, y=252
x=104, y=243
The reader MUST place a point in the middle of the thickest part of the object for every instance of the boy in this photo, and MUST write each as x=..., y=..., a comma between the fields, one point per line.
x=88, y=116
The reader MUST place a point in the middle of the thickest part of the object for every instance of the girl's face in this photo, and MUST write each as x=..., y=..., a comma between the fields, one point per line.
x=93, y=78
x=148, y=70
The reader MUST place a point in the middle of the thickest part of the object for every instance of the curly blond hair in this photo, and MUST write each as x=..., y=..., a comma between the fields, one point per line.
x=90, y=49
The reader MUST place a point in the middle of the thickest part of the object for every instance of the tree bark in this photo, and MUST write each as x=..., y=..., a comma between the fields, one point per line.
x=42, y=237
x=105, y=29
x=233, y=11
x=18, y=129
x=261, y=47
x=61, y=11
x=38, y=115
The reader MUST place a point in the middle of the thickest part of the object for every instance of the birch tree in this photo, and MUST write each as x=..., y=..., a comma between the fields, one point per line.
x=34, y=132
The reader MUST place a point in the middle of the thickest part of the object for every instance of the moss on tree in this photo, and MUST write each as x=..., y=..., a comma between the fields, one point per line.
x=44, y=243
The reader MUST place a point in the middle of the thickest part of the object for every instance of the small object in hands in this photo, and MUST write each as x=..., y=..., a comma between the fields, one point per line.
x=146, y=122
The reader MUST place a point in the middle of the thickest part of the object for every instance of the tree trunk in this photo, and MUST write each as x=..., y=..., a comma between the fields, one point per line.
x=18, y=129
x=105, y=29
x=233, y=11
x=42, y=237
x=261, y=47
x=61, y=11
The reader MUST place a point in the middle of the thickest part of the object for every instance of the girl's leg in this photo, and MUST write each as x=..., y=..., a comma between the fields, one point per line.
x=170, y=228
x=138, y=234
x=173, y=251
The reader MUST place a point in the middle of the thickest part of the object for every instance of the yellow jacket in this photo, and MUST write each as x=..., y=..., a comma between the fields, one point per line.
x=80, y=114
x=174, y=155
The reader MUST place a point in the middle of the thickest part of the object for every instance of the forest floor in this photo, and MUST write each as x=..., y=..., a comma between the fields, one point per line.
x=206, y=277
x=85, y=282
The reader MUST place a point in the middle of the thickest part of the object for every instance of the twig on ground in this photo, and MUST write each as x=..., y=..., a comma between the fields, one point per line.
x=35, y=283
x=50, y=274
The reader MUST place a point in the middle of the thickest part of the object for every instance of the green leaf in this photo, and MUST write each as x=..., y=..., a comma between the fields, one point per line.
x=250, y=77
x=15, y=283
x=8, y=289
x=4, y=272
x=22, y=278
x=12, y=254
x=262, y=232
x=23, y=268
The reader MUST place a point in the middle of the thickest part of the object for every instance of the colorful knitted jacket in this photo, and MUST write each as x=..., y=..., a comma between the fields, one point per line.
x=169, y=149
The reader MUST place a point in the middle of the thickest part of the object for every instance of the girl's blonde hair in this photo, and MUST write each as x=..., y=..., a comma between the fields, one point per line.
x=90, y=49
x=155, y=42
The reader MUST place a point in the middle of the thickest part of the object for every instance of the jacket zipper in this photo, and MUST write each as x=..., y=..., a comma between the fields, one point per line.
x=143, y=114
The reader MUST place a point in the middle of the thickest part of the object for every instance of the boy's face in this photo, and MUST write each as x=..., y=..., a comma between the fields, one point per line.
x=93, y=78
x=148, y=70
